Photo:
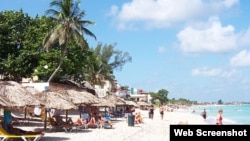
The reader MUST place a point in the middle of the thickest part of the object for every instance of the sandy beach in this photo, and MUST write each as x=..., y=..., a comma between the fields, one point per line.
x=151, y=129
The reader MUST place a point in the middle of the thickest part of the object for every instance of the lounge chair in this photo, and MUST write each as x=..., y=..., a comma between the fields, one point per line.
x=5, y=136
x=55, y=126
x=80, y=123
x=16, y=119
x=19, y=119
x=92, y=123
x=105, y=122
x=85, y=117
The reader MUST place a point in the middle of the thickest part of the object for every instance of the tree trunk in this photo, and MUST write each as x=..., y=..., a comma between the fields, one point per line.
x=56, y=70
x=60, y=63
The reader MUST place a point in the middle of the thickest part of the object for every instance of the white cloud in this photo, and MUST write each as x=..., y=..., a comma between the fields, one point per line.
x=213, y=72
x=245, y=39
x=229, y=3
x=162, y=49
x=228, y=74
x=114, y=9
x=165, y=13
x=208, y=37
x=241, y=59
x=206, y=71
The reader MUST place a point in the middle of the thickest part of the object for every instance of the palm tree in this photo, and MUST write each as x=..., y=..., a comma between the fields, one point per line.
x=98, y=68
x=93, y=70
x=70, y=27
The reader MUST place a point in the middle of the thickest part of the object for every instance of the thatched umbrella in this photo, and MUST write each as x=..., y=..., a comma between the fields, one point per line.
x=104, y=103
x=4, y=102
x=115, y=100
x=54, y=100
x=17, y=94
x=80, y=97
x=32, y=90
x=131, y=103
x=142, y=103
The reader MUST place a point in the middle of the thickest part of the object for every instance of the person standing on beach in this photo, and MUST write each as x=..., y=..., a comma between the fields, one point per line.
x=204, y=114
x=151, y=112
x=7, y=119
x=219, y=117
x=161, y=111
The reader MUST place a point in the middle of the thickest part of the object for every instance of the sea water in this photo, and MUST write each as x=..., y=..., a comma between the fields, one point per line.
x=232, y=114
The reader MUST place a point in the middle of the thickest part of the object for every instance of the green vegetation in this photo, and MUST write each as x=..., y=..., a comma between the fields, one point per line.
x=161, y=97
x=54, y=48
x=69, y=27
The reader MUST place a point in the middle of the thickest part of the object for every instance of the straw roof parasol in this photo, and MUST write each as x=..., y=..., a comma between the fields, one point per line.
x=32, y=90
x=115, y=100
x=4, y=102
x=17, y=94
x=55, y=100
x=104, y=103
x=80, y=97
x=142, y=103
x=131, y=103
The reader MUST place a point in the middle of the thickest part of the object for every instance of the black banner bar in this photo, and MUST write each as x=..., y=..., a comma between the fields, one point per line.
x=195, y=132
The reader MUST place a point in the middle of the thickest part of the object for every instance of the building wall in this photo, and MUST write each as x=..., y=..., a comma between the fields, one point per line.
x=38, y=86
x=102, y=91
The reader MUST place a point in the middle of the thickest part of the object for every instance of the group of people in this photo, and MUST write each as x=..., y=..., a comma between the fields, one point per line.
x=94, y=121
x=203, y=114
x=161, y=110
x=218, y=118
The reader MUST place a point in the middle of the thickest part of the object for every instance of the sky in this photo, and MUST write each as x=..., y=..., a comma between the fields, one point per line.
x=195, y=49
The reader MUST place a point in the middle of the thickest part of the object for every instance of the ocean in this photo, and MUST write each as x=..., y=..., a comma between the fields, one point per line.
x=232, y=114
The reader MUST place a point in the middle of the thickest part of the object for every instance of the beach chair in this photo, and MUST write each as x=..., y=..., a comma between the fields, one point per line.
x=19, y=119
x=92, y=123
x=54, y=126
x=85, y=116
x=5, y=136
x=80, y=123
x=105, y=122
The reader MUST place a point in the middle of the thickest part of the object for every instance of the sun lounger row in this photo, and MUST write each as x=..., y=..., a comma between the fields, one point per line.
x=5, y=136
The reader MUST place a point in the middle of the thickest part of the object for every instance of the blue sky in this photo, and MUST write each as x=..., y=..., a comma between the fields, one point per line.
x=195, y=49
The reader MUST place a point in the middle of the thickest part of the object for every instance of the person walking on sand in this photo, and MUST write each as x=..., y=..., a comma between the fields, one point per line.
x=219, y=117
x=204, y=114
x=151, y=112
x=161, y=111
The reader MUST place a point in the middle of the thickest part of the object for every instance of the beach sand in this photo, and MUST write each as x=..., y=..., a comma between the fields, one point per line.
x=150, y=129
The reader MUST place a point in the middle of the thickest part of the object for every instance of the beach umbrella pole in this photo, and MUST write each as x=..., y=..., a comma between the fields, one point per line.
x=45, y=119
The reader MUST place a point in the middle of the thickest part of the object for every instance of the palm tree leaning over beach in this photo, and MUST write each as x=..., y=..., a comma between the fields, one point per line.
x=70, y=27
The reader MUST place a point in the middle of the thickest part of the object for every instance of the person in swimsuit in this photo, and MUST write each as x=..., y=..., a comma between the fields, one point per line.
x=161, y=111
x=219, y=117
x=204, y=114
x=151, y=112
